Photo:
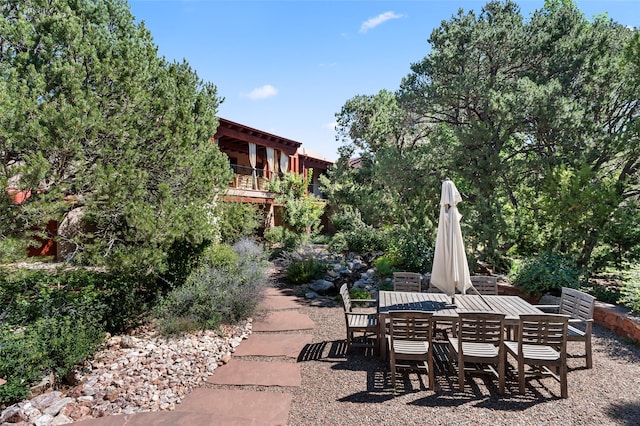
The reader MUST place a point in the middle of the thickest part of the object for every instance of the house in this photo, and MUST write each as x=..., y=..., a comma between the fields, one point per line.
x=257, y=157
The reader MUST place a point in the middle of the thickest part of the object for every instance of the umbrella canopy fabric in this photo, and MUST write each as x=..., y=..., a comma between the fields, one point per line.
x=450, y=269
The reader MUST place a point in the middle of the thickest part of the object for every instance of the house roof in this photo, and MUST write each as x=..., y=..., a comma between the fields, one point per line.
x=311, y=158
x=232, y=133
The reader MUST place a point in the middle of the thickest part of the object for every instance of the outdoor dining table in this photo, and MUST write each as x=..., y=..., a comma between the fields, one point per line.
x=446, y=311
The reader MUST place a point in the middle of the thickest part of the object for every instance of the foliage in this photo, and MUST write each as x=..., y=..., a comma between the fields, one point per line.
x=216, y=293
x=385, y=266
x=413, y=250
x=116, y=301
x=284, y=236
x=305, y=270
x=338, y=243
x=12, y=249
x=536, y=120
x=347, y=218
x=547, y=273
x=367, y=239
x=94, y=123
x=237, y=220
x=301, y=212
x=52, y=322
x=631, y=289
x=359, y=294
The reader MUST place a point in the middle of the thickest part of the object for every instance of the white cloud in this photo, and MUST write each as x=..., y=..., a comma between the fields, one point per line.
x=330, y=126
x=263, y=92
x=371, y=23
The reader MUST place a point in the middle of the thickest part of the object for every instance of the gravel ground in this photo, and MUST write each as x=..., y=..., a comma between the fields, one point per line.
x=355, y=389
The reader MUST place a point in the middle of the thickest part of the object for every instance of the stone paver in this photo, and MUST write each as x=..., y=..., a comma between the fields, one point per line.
x=173, y=418
x=261, y=407
x=261, y=373
x=276, y=303
x=283, y=321
x=286, y=345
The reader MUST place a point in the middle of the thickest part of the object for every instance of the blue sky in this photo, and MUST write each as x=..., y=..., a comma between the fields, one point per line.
x=287, y=67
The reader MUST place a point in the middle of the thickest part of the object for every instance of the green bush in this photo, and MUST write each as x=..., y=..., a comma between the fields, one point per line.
x=216, y=293
x=12, y=250
x=338, y=243
x=359, y=294
x=348, y=219
x=385, y=266
x=284, y=236
x=547, y=273
x=183, y=256
x=412, y=249
x=237, y=220
x=305, y=270
x=631, y=290
x=362, y=240
x=52, y=344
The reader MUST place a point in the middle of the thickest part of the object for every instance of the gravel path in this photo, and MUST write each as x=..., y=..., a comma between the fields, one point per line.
x=351, y=390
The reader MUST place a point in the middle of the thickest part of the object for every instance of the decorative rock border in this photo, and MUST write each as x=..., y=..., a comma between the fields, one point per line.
x=616, y=319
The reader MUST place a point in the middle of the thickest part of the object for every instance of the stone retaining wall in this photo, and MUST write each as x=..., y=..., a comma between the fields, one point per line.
x=610, y=316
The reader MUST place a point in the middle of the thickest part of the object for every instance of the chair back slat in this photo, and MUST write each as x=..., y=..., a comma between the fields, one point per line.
x=545, y=329
x=483, y=327
x=346, y=298
x=576, y=304
x=407, y=281
x=411, y=325
x=485, y=284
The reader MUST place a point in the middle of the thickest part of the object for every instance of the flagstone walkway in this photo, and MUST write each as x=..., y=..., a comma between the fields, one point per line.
x=251, y=389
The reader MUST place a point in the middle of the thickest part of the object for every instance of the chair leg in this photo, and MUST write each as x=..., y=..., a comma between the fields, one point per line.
x=392, y=361
x=432, y=378
x=564, y=392
x=501, y=374
x=587, y=349
x=521, y=376
x=461, y=373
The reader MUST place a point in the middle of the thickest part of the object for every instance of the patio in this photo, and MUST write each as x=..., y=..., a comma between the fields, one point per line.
x=355, y=389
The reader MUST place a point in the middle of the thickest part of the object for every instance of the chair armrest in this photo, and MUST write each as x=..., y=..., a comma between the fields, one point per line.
x=578, y=320
x=548, y=308
x=370, y=302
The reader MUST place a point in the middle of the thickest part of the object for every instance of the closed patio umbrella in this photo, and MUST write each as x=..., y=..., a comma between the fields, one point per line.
x=450, y=269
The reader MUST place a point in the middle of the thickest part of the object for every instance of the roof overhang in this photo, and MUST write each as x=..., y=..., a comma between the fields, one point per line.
x=235, y=134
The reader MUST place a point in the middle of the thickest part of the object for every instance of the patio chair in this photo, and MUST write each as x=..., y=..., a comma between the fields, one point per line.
x=407, y=281
x=542, y=343
x=485, y=284
x=410, y=339
x=579, y=307
x=362, y=327
x=479, y=341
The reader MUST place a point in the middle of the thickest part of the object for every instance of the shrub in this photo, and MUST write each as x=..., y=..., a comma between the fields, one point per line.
x=52, y=344
x=631, y=290
x=547, y=273
x=237, y=220
x=362, y=240
x=281, y=235
x=359, y=294
x=348, y=219
x=412, y=249
x=226, y=292
x=305, y=270
x=338, y=243
x=12, y=250
x=385, y=266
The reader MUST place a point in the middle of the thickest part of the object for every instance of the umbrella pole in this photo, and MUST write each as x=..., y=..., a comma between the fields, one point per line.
x=478, y=293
